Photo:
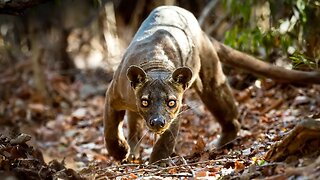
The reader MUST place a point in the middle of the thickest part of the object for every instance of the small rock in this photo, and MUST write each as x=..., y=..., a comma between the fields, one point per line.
x=301, y=100
x=22, y=138
x=79, y=113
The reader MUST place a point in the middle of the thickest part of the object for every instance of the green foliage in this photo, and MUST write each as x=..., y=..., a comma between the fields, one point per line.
x=244, y=11
x=262, y=162
x=290, y=24
x=244, y=39
x=97, y=3
x=301, y=5
x=302, y=60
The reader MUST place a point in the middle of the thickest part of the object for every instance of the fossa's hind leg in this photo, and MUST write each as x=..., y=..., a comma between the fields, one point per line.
x=216, y=94
x=221, y=104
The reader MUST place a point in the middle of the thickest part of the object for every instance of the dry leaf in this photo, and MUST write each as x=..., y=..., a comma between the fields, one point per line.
x=238, y=165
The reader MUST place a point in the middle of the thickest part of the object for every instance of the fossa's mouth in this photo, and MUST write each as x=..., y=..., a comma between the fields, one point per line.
x=158, y=131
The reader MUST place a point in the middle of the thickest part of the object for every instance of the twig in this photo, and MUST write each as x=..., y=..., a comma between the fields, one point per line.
x=274, y=105
x=157, y=169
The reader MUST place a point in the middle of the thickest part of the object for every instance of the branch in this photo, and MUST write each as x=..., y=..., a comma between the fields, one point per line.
x=17, y=7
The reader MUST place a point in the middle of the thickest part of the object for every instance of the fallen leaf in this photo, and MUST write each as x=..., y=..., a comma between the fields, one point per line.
x=133, y=176
x=238, y=165
x=201, y=174
x=199, y=146
x=172, y=171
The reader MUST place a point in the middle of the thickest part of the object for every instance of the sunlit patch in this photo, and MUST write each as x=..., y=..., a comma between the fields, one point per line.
x=257, y=83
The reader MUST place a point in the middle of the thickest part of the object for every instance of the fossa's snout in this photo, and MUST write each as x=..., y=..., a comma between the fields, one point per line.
x=157, y=122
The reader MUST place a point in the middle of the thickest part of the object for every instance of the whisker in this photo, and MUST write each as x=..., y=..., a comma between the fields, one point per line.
x=135, y=134
x=173, y=135
x=135, y=147
x=155, y=137
x=190, y=107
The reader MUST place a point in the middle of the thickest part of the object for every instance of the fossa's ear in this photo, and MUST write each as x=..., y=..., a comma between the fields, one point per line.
x=136, y=76
x=182, y=76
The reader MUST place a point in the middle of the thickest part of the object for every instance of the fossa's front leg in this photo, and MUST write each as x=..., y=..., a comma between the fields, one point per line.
x=115, y=141
x=135, y=125
x=164, y=147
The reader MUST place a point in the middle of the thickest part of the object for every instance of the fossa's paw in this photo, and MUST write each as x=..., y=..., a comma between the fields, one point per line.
x=161, y=157
x=228, y=134
x=134, y=159
x=118, y=148
x=163, y=163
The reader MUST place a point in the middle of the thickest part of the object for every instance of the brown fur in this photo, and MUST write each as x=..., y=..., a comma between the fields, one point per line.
x=169, y=54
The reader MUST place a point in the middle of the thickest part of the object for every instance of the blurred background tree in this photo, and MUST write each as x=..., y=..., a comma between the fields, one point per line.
x=65, y=36
x=283, y=32
x=285, y=28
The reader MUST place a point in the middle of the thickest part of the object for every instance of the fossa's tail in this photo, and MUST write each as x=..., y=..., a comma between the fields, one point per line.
x=237, y=59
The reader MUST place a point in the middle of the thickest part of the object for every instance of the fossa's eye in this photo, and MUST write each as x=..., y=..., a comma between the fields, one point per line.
x=144, y=103
x=171, y=103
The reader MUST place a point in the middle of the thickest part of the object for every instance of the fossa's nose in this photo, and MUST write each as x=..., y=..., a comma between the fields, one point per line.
x=157, y=122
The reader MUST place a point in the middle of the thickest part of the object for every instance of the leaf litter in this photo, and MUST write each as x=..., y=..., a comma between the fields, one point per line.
x=67, y=136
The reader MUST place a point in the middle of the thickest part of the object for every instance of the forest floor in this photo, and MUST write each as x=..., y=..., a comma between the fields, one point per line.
x=65, y=140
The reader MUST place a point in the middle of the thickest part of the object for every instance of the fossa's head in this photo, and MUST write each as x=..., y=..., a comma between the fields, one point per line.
x=159, y=95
